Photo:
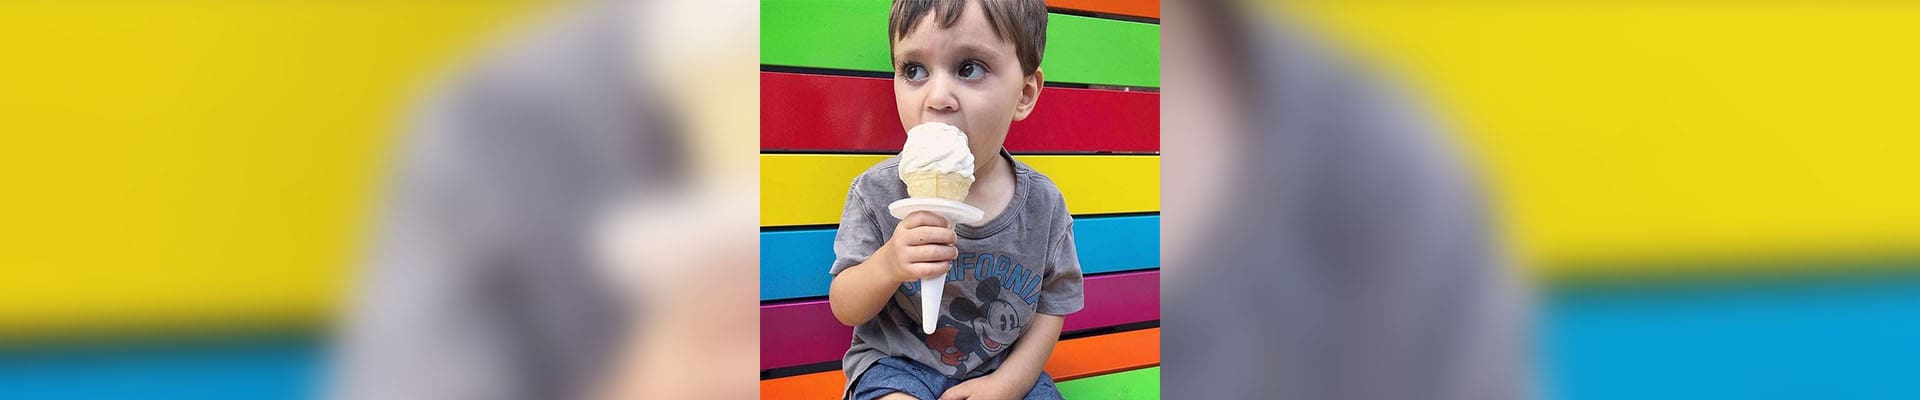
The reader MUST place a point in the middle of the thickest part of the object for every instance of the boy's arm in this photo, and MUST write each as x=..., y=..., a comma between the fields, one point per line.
x=859, y=292
x=921, y=246
x=1023, y=365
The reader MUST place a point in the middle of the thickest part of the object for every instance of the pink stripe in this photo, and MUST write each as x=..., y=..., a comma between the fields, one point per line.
x=806, y=332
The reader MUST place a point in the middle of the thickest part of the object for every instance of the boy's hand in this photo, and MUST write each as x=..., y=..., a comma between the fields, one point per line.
x=986, y=387
x=922, y=245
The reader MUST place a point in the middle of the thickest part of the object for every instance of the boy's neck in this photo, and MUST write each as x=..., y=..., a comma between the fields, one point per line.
x=994, y=187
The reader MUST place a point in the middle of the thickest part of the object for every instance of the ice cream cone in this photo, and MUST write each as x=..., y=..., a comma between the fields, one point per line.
x=950, y=186
x=937, y=167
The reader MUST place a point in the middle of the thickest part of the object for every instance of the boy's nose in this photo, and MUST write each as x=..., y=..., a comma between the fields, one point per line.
x=940, y=96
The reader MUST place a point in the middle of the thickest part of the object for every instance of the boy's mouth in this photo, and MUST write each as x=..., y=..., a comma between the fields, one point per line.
x=956, y=124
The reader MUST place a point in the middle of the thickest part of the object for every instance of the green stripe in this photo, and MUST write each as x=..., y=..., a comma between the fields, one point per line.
x=852, y=35
x=1141, y=383
x=1102, y=51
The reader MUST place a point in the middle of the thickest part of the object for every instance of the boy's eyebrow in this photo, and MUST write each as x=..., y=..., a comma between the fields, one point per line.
x=909, y=53
x=977, y=49
x=966, y=48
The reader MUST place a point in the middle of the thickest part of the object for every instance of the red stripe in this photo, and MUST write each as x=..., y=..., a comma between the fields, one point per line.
x=806, y=332
x=807, y=112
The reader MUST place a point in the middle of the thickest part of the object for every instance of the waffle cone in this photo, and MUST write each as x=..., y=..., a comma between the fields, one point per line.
x=948, y=186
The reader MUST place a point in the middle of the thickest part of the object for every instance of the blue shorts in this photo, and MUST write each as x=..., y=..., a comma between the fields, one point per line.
x=896, y=374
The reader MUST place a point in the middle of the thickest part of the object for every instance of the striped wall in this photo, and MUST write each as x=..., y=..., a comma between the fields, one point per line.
x=827, y=114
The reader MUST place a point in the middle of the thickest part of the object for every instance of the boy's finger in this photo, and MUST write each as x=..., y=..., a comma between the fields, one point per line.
x=958, y=392
x=929, y=235
x=923, y=218
x=931, y=253
x=928, y=269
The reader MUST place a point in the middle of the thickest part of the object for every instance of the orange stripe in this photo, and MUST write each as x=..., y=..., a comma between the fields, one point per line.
x=819, y=385
x=1137, y=8
x=1105, y=354
x=1071, y=359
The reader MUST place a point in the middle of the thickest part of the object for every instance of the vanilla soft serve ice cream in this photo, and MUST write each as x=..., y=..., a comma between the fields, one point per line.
x=936, y=162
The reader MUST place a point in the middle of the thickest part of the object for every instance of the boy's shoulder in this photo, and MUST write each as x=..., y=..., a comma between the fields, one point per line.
x=1042, y=198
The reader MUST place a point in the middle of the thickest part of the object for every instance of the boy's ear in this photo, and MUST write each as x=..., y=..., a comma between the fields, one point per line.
x=1029, y=95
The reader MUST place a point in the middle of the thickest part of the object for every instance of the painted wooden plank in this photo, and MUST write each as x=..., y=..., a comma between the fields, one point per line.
x=811, y=112
x=806, y=332
x=793, y=264
x=818, y=385
x=852, y=35
x=1090, y=356
x=811, y=189
x=1105, y=354
x=1101, y=52
x=1141, y=383
x=1134, y=8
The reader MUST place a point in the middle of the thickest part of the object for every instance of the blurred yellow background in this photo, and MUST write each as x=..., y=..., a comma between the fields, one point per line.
x=195, y=165
x=1645, y=135
x=201, y=164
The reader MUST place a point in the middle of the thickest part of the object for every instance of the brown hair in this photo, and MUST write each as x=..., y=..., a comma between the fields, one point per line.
x=1023, y=22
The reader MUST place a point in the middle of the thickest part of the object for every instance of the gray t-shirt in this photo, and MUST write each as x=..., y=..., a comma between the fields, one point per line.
x=1020, y=262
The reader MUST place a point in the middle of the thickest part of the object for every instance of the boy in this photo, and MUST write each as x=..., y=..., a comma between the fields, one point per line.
x=972, y=64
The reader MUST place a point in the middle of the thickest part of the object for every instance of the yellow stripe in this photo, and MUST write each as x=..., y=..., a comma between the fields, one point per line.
x=206, y=164
x=1708, y=132
x=806, y=189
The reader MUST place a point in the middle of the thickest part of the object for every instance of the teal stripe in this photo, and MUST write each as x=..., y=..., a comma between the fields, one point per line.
x=793, y=264
x=852, y=35
x=1141, y=383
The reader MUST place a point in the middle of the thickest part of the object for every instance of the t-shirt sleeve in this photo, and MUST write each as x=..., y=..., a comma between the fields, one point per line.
x=1061, y=292
x=859, y=235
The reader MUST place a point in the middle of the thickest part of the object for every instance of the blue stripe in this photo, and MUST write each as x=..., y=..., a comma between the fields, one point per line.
x=1798, y=338
x=285, y=368
x=793, y=264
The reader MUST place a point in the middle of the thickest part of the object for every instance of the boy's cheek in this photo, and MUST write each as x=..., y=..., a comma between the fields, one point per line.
x=905, y=104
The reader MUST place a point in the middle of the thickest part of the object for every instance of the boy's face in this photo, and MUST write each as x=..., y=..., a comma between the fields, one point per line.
x=965, y=76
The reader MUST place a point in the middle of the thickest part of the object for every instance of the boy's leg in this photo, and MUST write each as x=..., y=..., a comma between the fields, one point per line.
x=1043, y=389
x=893, y=377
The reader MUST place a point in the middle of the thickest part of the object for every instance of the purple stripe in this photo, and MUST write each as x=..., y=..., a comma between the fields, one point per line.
x=805, y=332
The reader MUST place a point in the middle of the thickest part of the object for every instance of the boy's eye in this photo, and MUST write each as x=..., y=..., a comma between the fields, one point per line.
x=972, y=70
x=913, y=72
